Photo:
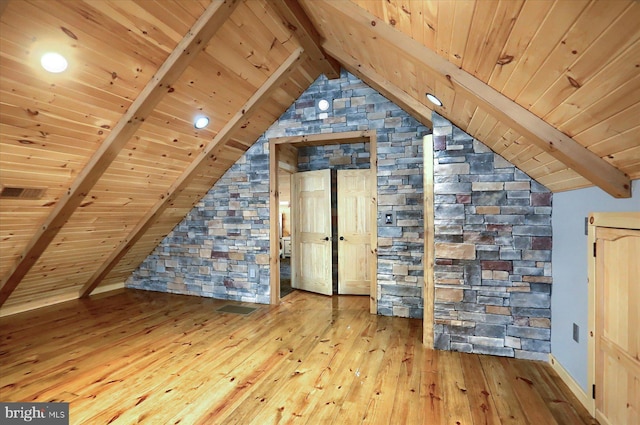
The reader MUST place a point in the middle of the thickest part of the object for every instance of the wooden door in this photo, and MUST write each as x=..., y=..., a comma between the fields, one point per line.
x=311, y=237
x=617, y=319
x=354, y=232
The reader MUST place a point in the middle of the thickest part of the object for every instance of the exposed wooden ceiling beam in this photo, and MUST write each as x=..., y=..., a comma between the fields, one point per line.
x=410, y=104
x=298, y=21
x=205, y=158
x=559, y=145
x=187, y=49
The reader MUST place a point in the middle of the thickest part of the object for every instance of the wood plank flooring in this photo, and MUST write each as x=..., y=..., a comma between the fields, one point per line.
x=131, y=357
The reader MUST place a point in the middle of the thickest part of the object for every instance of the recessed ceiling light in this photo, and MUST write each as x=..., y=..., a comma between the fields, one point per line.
x=201, y=122
x=53, y=62
x=434, y=99
x=323, y=104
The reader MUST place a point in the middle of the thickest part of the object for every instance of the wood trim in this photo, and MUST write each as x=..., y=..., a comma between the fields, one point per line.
x=309, y=38
x=274, y=234
x=625, y=220
x=185, y=52
x=408, y=103
x=204, y=159
x=575, y=388
x=429, y=247
x=373, y=263
x=324, y=138
x=539, y=132
x=277, y=143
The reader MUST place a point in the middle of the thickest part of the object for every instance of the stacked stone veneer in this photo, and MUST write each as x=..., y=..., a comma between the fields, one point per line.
x=493, y=251
x=492, y=226
x=356, y=106
x=226, y=236
x=221, y=248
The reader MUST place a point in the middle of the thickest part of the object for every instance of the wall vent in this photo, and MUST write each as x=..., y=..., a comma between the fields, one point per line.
x=22, y=192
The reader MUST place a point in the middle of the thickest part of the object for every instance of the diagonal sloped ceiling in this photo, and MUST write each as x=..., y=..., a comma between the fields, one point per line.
x=552, y=86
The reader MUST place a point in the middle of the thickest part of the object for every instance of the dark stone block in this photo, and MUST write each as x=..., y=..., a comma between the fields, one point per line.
x=530, y=312
x=472, y=274
x=541, y=243
x=442, y=342
x=493, y=331
x=439, y=143
x=497, y=265
x=489, y=198
x=481, y=163
x=542, y=199
x=540, y=287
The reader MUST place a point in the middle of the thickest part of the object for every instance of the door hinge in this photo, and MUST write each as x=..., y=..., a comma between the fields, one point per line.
x=593, y=391
x=594, y=249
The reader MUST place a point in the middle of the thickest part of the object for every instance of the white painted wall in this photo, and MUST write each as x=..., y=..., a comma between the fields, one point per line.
x=569, y=300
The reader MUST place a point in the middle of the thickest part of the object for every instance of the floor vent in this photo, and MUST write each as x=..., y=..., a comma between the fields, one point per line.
x=22, y=192
x=236, y=309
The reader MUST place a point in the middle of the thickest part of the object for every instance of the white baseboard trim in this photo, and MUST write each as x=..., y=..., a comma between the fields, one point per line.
x=575, y=388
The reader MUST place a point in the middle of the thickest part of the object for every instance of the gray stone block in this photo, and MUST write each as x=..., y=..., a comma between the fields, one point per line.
x=530, y=299
x=442, y=342
x=489, y=198
x=461, y=347
x=488, y=330
x=493, y=351
x=536, y=345
x=530, y=312
x=530, y=333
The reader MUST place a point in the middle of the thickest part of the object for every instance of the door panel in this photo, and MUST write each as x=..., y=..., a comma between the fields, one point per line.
x=617, y=316
x=354, y=232
x=311, y=237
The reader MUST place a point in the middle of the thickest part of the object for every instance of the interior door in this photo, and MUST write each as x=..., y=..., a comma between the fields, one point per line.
x=311, y=237
x=354, y=232
x=617, y=336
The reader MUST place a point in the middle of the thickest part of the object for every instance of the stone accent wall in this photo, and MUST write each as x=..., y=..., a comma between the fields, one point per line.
x=493, y=251
x=221, y=249
x=356, y=106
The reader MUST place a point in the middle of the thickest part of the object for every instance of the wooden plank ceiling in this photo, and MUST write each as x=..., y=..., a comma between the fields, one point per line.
x=553, y=86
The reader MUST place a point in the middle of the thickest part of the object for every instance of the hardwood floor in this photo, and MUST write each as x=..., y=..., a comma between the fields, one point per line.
x=143, y=357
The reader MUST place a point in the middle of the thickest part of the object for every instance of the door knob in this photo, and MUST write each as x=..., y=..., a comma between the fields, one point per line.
x=326, y=238
x=341, y=238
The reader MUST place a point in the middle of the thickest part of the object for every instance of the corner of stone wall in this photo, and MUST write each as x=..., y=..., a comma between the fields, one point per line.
x=493, y=244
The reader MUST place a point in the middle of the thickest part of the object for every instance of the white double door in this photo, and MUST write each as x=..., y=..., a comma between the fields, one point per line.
x=311, y=259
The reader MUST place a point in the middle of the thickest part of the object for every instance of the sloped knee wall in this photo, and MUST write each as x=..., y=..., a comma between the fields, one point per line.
x=493, y=251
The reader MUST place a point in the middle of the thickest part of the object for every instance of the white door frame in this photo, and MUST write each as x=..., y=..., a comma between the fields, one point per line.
x=278, y=148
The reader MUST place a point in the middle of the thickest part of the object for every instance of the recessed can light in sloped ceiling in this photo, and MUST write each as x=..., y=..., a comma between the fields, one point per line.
x=433, y=99
x=201, y=122
x=54, y=62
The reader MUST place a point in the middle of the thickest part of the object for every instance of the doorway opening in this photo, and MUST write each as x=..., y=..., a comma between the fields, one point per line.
x=283, y=160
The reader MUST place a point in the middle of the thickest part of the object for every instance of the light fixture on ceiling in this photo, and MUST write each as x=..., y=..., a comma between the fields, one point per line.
x=433, y=99
x=201, y=122
x=54, y=62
